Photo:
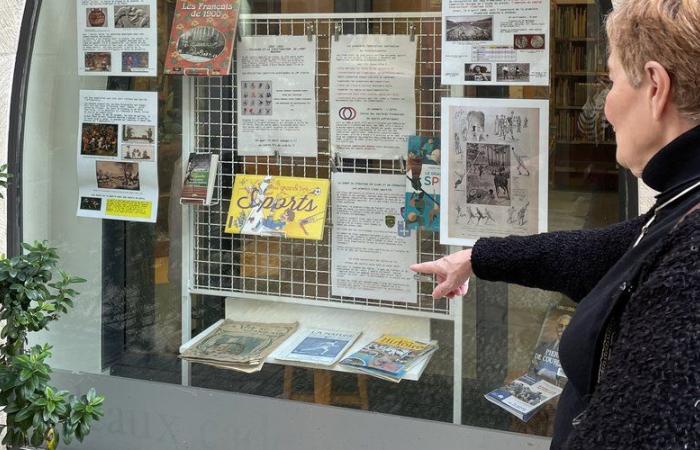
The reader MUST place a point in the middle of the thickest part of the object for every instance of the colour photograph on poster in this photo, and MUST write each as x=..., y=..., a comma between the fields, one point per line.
x=494, y=175
x=492, y=42
x=422, y=208
x=117, y=155
x=117, y=38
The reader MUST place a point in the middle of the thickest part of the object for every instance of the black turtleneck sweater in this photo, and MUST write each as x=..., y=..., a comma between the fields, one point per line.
x=646, y=395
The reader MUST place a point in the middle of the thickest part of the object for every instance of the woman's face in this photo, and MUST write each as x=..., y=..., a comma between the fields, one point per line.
x=629, y=111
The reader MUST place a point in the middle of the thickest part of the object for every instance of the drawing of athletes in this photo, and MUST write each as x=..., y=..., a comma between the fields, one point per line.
x=522, y=214
x=488, y=168
x=522, y=166
x=256, y=216
x=511, y=215
x=507, y=126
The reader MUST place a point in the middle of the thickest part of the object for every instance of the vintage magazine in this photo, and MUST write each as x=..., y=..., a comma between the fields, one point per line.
x=524, y=396
x=389, y=357
x=202, y=37
x=316, y=346
x=545, y=360
x=289, y=207
x=422, y=208
x=494, y=173
x=238, y=345
x=200, y=177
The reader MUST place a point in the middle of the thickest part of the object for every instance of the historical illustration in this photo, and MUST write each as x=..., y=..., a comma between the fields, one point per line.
x=492, y=182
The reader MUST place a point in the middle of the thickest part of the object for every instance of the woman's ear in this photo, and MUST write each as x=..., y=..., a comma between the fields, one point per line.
x=659, y=88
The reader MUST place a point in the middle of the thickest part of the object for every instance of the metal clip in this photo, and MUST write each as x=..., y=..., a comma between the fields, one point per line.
x=336, y=162
x=338, y=31
x=278, y=157
x=310, y=31
x=402, y=163
x=412, y=31
x=239, y=32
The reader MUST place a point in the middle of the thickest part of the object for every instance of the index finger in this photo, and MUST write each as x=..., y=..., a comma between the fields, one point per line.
x=426, y=267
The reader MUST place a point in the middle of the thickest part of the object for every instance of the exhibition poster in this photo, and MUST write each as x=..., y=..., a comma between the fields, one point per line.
x=370, y=255
x=289, y=207
x=494, y=176
x=202, y=38
x=118, y=155
x=422, y=208
x=493, y=42
x=117, y=38
x=277, y=96
x=372, y=97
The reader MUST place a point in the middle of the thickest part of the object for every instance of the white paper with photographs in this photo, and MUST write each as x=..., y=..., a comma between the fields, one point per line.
x=494, y=177
x=118, y=155
x=277, y=96
x=117, y=38
x=372, y=249
x=494, y=42
x=372, y=97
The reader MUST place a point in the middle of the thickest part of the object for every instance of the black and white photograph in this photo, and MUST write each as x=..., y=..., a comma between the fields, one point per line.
x=256, y=98
x=478, y=72
x=132, y=16
x=529, y=41
x=98, y=139
x=117, y=175
x=469, y=28
x=138, y=152
x=513, y=72
x=96, y=17
x=138, y=134
x=91, y=203
x=98, y=62
x=201, y=44
x=488, y=174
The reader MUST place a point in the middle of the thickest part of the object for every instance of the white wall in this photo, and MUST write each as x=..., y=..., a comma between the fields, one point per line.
x=50, y=187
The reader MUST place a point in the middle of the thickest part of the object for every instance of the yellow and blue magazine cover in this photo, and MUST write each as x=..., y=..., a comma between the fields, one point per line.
x=289, y=207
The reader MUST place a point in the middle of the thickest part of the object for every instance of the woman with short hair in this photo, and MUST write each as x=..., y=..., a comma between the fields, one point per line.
x=631, y=350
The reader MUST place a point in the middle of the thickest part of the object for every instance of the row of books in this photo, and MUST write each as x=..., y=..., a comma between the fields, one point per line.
x=572, y=127
x=573, y=22
x=580, y=57
x=244, y=346
x=544, y=380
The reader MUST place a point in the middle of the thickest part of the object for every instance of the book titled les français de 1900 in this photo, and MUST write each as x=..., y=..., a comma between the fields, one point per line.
x=390, y=357
x=241, y=346
x=200, y=175
x=202, y=37
x=290, y=207
x=314, y=346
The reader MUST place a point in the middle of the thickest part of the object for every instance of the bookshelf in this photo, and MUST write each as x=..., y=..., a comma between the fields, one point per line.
x=583, y=154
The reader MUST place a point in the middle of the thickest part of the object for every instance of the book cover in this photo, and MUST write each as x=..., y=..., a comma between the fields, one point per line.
x=200, y=176
x=323, y=347
x=524, y=396
x=545, y=359
x=232, y=343
x=391, y=356
x=202, y=37
x=289, y=207
x=422, y=209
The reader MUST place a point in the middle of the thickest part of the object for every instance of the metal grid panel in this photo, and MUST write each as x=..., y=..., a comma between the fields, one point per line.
x=271, y=267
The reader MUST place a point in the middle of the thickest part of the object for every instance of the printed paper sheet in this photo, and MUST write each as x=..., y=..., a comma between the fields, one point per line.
x=372, y=98
x=277, y=96
x=494, y=176
x=370, y=256
x=118, y=155
x=494, y=42
x=117, y=38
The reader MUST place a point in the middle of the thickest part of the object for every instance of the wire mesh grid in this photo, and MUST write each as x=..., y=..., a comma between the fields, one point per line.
x=246, y=266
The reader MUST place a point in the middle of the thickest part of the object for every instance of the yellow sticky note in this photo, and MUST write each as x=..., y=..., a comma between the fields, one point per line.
x=137, y=209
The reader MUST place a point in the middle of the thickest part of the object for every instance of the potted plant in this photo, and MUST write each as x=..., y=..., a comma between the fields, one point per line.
x=37, y=413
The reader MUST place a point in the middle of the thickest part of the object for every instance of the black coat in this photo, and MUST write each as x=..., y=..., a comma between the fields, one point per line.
x=646, y=295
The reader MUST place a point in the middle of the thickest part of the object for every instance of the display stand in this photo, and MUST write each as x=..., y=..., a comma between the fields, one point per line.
x=298, y=289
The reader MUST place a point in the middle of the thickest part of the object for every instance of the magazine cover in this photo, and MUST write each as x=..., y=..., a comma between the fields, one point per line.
x=393, y=356
x=202, y=37
x=239, y=342
x=290, y=207
x=323, y=347
x=524, y=396
x=200, y=175
x=545, y=360
x=422, y=209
